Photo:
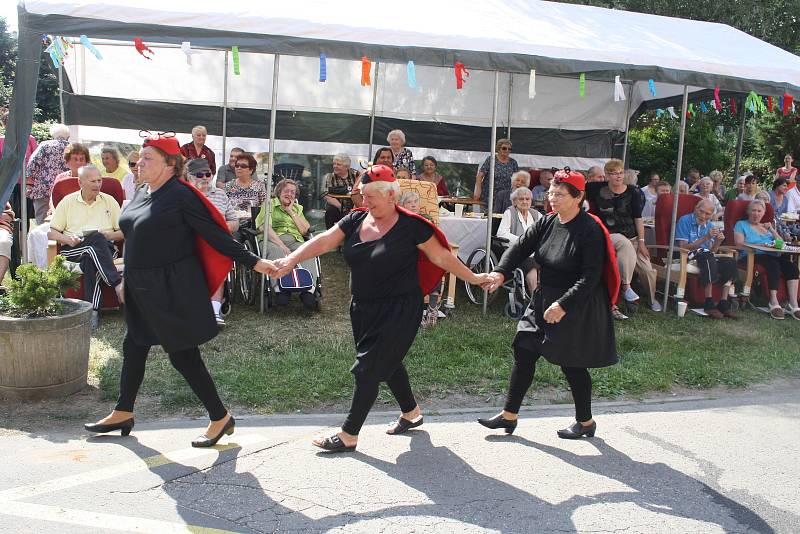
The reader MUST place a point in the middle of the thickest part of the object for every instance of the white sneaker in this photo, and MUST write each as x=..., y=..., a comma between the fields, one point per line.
x=630, y=295
x=656, y=307
x=220, y=320
x=440, y=314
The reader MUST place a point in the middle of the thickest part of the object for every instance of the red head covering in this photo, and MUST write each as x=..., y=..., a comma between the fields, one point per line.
x=378, y=173
x=169, y=144
x=573, y=178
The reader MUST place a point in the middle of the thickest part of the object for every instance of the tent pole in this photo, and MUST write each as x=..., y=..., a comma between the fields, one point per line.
x=61, y=91
x=270, y=167
x=510, y=103
x=740, y=142
x=23, y=208
x=225, y=108
x=668, y=260
x=627, y=127
x=372, y=111
x=490, y=198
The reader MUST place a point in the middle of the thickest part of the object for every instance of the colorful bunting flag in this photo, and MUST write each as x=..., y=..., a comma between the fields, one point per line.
x=619, y=90
x=652, y=85
x=411, y=74
x=366, y=67
x=90, y=47
x=323, y=67
x=235, y=58
x=461, y=73
x=582, y=85
x=532, y=84
x=186, y=48
x=717, y=101
x=142, y=48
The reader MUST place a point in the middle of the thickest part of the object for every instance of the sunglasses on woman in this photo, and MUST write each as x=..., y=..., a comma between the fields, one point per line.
x=206, y=174
x=132, y=164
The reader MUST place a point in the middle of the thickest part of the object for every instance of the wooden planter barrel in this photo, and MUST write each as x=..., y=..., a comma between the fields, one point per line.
x=45, y=357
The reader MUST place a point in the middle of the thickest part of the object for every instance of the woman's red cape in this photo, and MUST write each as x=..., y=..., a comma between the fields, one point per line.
x=216, y=265
x=611, y=268
x=428, y=273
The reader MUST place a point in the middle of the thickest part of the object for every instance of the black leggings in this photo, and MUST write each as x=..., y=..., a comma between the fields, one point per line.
x=775, y=266
x=366, y=391
x=188, y=363
x=580, y=383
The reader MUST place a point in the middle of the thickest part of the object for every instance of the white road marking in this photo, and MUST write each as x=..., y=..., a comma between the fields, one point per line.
x=105, y=473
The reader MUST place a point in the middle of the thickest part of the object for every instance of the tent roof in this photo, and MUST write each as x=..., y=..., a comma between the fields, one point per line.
x=506, y=35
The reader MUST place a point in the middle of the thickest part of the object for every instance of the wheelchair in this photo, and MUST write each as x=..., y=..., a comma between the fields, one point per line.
x=246, y=283
x=517, y=289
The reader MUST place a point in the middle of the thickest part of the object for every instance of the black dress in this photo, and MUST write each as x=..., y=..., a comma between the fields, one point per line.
x=166, y=296
x=386, y=306
x=571, y=257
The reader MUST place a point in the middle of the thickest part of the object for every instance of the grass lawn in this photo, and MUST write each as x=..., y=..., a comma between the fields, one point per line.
x=289, y=360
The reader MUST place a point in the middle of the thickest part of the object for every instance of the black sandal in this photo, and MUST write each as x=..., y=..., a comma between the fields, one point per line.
x=334, y=444
x=403, y=425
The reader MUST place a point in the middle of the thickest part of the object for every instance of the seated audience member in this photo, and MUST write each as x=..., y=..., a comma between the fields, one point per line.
x=503, y=199
x=718, y=190
x=619, y=207
x=661, y=188
x=383, y=156
x=650, y=194
x=429, y=174
x=683, y=188
x=540, y=191
x=705, y=190
x=226, y=173
x=285, y=232
x=736, y=190
x=6, y=240
x=595, y=174
x=110, y=159
x=340, y=182
x=245, y=191
x=696, y=232
x=403, y=174
x=131, y=180
x=86, y=223
x=197, y=148
x=692, y=179
x=778, y=197
x=793, y=200
x=76, y=156
x=753, y=232
x=751, y=190
x=516, y=219
x=201, y=177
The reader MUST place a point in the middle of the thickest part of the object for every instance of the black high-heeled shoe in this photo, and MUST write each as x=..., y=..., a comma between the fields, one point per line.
x=101, y=428
x=498, y=421
x=577, y=430
x=203, y=441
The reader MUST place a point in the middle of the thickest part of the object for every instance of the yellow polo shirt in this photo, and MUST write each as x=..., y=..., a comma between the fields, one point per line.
x=119, y=174
x=74, y=215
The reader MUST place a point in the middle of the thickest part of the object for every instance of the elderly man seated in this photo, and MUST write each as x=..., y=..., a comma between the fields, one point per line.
x=6, y=239
x=339, y=185
x=285, y=232
x=86, y=224
x=201, y=177
x=502, y=200
x=696, y=232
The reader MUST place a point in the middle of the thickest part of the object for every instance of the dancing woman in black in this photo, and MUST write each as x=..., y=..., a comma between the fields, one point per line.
x=391, y=253
x=569, y=318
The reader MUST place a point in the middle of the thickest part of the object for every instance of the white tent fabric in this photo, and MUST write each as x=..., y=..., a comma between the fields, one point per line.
x=565, y=32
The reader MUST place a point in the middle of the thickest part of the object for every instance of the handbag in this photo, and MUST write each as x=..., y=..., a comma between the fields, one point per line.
x=298, y=280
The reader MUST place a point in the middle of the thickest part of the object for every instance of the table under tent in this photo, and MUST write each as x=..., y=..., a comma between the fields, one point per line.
x=561, y=80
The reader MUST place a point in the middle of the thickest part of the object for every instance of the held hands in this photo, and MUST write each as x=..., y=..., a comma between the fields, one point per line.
x=283, y=266
x=265, y=267
x=490, y=281
x=72, y=241
x=554, y=313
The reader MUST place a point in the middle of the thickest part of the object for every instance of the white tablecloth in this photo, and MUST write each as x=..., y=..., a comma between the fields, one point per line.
x=466, y=232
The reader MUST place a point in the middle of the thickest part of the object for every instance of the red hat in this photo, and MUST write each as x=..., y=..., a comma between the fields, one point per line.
x=573, y=178
x=165, y=141
x=378, y=173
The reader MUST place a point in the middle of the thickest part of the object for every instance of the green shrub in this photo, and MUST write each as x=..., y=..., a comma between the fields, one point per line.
x=34, y=292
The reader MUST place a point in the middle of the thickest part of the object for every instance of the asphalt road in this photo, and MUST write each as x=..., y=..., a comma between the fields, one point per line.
x=692, y=465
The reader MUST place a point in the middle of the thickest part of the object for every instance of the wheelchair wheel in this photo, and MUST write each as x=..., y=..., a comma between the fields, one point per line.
x=514, y=311
x=475, y=263
x=246, y=280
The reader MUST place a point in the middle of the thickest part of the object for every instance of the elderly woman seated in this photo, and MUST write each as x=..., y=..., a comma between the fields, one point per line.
x=705, y=190
x=285, y=233
x=516, y=219
x=754, y=232
x=200, y=176
x=339, y=185
x=503, y=199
